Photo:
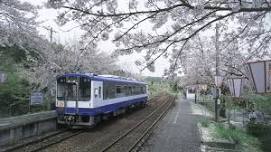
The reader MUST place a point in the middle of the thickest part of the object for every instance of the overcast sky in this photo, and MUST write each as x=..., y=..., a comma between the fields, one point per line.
x=65, y=35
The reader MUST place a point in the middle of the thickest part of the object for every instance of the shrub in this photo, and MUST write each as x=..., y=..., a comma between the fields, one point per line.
x=204, y=123
x=245, y=141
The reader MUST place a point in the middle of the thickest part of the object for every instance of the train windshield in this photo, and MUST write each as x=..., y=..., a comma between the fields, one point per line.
x=72, y=89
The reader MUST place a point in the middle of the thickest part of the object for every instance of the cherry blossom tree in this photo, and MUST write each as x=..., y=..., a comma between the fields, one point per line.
x=18, y=24
x=59, y=59
x=168, y=27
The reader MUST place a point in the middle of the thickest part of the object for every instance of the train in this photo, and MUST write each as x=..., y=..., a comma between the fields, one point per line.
x=84, y=99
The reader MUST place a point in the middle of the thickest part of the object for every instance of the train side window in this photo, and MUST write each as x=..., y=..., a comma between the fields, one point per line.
x=137, y=90
x=130, y=91
x=108, y=90
x=134, y=90
x=100, y=92
x=112, y=92
x=126, y=91
x=105, y=91
x=96, y=92
x=118, y=89
x=145, y=89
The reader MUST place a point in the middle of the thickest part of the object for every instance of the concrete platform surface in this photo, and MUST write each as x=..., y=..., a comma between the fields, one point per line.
x=10, y=122
x=177, y=131
x=16, y=129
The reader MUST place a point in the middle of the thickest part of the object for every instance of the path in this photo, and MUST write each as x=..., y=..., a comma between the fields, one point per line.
x=177, y=131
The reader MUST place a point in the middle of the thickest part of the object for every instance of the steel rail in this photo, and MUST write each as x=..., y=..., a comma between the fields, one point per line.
x=135, y=127
x=44, y=144
x=151, y=126
x=57, y=141
x=18, y=146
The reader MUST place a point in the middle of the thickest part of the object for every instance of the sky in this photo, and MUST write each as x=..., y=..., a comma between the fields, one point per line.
x=70, y=33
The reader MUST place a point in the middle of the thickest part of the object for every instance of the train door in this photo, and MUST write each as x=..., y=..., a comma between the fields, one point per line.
x=97, y=93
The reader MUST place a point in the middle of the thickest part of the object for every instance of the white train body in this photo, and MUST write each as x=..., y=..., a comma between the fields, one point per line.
x=83, y=99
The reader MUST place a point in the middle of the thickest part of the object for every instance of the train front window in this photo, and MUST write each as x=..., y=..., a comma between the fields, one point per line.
x=84, y=89
x=61, y=88
x=71, y=89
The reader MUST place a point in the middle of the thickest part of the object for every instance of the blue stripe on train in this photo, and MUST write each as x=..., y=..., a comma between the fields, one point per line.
x=100, y=110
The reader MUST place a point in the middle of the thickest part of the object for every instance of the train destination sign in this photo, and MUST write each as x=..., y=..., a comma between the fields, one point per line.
x=36, y=98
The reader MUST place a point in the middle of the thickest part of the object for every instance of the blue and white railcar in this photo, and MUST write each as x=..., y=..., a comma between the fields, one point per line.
x=84, y=99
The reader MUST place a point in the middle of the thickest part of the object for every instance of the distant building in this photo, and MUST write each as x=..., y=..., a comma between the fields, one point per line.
x=190, y=92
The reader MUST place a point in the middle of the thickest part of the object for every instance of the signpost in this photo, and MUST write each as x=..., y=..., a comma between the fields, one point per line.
x=35, y=100
x=3, y=77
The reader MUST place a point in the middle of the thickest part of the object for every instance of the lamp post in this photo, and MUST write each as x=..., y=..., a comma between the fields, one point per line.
x=260, y=75
x=218, y=84
x=196, y=90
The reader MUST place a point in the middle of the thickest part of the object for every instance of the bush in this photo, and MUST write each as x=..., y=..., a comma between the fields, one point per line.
x=262, y=132
x=261, y=103
x=204, y=123
x=245, y=141
x=257, y=129
x=14, y=95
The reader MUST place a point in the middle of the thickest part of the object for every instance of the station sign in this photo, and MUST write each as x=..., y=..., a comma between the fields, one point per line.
x=36, y=98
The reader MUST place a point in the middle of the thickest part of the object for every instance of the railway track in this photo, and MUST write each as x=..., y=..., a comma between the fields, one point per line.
x=132, y=138
x=44, y=142
x=60, y=136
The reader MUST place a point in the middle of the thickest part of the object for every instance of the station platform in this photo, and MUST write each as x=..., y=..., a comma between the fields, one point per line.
x=15, y=129
x=177, y=131
x=11, y=122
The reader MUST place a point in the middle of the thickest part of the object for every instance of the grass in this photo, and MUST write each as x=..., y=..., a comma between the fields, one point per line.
x=204, y=123
x=245, y=142
x=263, y=133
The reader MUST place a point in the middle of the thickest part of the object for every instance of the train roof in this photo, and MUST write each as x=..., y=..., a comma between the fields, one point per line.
x=112, y=78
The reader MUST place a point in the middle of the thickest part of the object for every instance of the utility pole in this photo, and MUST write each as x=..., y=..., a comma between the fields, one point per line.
x=217, y=60
x=51, y=32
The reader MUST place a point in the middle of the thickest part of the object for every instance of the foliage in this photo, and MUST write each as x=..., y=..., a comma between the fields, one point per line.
x=174, y=86
x=153, y=79
x=18, y=25
x=262, y=132
x=14, y=93
x=258, y=129
x=260, y=102
x=180, y=30
x=156, y=87
x=245, y=141
x=204, y=122
x=36, y=70
x=209, y=105
x=234, y=102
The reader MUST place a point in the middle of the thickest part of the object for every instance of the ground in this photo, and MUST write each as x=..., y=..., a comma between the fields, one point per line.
x=177, y=131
